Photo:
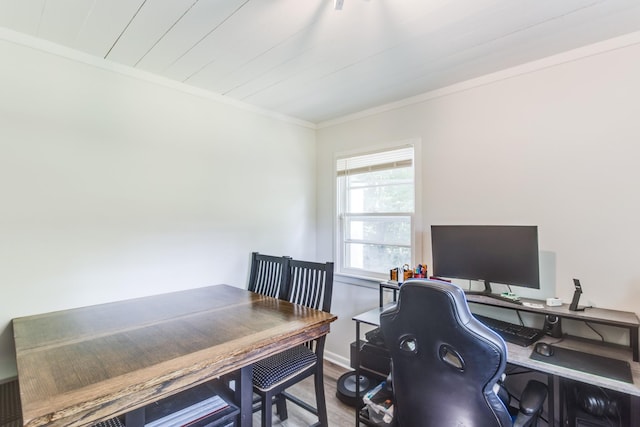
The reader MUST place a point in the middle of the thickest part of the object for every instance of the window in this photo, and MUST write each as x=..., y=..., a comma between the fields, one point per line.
x=376, y=206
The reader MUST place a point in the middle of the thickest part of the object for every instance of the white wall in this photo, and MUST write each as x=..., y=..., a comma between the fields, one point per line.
x=114, y=187
x=553, y=144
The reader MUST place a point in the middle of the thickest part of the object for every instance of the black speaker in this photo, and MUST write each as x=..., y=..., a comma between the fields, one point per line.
x=553, y=326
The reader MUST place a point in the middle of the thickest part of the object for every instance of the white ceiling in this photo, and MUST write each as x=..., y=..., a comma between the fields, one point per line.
x=305, y=59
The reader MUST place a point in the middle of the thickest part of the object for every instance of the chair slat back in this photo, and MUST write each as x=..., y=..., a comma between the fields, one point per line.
x=269, y=275
x=311, y=284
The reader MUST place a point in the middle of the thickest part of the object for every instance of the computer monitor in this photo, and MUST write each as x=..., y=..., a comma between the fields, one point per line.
x=505, y=254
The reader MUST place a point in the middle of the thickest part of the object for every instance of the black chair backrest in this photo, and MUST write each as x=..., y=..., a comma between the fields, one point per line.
x=311, y=284
x=269, y=275
x=444, y=361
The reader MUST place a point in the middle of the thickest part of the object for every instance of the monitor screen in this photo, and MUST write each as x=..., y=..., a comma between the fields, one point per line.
x=491, y=253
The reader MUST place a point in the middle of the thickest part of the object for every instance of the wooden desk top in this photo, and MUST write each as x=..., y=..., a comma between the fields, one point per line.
x=520, y=356
x=80, y=366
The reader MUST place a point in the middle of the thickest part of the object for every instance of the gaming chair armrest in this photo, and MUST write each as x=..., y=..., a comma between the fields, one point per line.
x=531, y=402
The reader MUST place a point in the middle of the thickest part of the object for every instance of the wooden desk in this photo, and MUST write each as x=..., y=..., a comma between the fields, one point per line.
x=77, y=367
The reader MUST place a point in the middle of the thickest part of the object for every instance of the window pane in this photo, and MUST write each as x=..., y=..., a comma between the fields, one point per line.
x=383, y=229
x=382, y=191
x=375, y=258
x=375, y=207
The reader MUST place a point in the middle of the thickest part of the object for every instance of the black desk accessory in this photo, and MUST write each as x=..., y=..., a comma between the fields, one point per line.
x=587, y=362
x=552, y=326
x=512, y=332
x=576, y=296
x=543, y=349
x=375, y=337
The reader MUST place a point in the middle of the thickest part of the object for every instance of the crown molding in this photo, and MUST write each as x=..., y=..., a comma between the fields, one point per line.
x=48, y=47
x=594, y=49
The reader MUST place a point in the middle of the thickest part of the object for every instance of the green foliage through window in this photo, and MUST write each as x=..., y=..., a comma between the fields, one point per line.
x=376, y=203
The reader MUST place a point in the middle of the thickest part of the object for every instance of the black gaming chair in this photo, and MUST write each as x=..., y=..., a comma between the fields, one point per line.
x=445, y=363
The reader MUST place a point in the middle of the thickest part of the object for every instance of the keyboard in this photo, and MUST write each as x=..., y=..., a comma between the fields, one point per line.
x=511, y=332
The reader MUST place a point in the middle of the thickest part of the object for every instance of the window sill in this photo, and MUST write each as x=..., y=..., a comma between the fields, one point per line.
x=352, y=279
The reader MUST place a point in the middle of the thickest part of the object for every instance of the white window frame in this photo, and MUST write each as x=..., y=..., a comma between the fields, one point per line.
x=416, y=232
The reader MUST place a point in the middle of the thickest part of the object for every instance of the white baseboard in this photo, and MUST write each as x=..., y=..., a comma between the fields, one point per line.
x=337, y=359
x=8, y=370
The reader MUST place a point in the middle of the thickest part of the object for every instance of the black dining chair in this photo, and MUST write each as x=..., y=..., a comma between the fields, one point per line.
x=269, y=275
x=310, y=284
x=447, y=366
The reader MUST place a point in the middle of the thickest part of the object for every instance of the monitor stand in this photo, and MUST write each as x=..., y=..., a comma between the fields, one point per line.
x=487, y=292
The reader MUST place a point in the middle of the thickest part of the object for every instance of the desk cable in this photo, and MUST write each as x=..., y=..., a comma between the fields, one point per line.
x=520, y=317
x=594, y=330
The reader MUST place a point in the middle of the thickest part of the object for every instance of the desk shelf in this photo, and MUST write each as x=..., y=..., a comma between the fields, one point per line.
x=614, y=318
x=371, y=317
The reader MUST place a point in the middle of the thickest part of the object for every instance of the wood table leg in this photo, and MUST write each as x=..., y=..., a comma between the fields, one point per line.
x=134, y=418
x=244, y=396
